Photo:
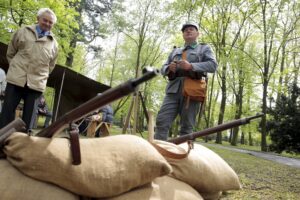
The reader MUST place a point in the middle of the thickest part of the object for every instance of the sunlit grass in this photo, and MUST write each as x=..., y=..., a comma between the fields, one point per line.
x=261, y=179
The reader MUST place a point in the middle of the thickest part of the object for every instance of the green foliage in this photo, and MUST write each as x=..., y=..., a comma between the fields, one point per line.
x=79, y=63
x=285, y=126
x=20, y=12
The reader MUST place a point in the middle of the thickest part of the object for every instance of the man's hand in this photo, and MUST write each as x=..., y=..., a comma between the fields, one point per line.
x=73, y=128
x=42, y=111
x=185, y=65
x=172, y=67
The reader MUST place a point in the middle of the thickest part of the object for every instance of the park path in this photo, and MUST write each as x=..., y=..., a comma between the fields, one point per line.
x=265, y=155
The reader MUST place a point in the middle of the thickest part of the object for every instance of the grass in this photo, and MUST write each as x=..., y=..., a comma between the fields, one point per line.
x=261, y=179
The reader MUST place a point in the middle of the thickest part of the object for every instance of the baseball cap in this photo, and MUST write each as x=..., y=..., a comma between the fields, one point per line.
x=187, y=24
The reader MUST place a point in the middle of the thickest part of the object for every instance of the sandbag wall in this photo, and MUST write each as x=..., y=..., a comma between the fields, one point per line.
x=115, y=167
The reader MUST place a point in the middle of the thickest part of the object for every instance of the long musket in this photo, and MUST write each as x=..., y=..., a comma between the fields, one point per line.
x=214, y=129
x=97, y=102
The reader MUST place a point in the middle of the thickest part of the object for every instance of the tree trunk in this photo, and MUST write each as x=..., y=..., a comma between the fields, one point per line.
x=127, y=120
x=264, y=120
x=151, y=124
x=281, y=72
x=250, y=139
x=296, y=68
x=223, y=101
x=230, y=135
x=221, y=115
x=239, y=106
x=135, y=114
x=210, y=107
x=242, y=138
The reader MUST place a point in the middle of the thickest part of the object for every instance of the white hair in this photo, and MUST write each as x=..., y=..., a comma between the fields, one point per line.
x=48, y=10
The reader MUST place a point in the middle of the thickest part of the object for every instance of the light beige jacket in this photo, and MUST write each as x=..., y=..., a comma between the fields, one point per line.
x=31, y=59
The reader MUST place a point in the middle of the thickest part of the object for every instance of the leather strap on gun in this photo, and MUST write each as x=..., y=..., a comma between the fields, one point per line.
x=221, y=127
x=173, y=155
x=75, y=146
x=97, y=102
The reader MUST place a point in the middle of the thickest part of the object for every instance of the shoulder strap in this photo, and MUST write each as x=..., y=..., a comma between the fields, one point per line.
x=164, y=152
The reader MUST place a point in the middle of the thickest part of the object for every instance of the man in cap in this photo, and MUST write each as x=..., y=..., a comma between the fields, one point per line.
x=31, y=54
x=193, y=59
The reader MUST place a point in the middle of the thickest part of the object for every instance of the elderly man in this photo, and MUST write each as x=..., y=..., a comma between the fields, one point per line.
x=31, y=54
x=194, y=61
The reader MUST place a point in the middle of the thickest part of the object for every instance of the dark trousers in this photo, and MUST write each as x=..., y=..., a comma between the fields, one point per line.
x=173, y=105
x=13, y=96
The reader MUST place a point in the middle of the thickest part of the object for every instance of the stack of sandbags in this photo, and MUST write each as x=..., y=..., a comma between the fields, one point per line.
x=202, y=169
x=110, y=166
x=162, y=188
x=121, y=168
x=14, y=185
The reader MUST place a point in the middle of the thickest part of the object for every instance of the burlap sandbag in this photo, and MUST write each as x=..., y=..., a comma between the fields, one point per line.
x=15, y=185
x=162, y=188
x=110, y=165
x=211, y=196
x=203, y=169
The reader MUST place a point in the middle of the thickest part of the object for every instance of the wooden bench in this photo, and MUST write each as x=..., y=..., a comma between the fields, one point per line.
x=94, y=126
x=19, y=113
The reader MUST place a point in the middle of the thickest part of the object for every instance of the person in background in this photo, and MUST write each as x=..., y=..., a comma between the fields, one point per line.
x=2, y=87
x=44, y=111
x=193, y=58
x=107, y=114
x=31, y=54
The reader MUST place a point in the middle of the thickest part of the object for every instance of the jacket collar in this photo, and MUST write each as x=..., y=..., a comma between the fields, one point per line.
x=190, y=46
x=34, y=30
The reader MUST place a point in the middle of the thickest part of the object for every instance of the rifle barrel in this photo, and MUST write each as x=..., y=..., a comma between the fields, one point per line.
x=215, y=129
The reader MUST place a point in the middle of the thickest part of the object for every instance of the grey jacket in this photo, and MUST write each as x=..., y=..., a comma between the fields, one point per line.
x=202, y=59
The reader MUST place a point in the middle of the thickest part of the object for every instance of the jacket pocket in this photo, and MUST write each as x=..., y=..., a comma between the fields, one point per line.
x=46, y=54
x=193, y=57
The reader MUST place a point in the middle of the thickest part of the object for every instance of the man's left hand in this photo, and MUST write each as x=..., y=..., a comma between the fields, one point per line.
x=185, y=65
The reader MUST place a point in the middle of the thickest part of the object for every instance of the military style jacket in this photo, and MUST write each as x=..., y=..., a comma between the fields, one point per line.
x=200, y=56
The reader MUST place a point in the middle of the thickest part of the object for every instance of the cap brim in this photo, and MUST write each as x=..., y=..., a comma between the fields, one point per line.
x=188, y=25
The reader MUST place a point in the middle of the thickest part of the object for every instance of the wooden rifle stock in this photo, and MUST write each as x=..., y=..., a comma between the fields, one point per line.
x=15, y=126
x=215, y=129
x=97, y=102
